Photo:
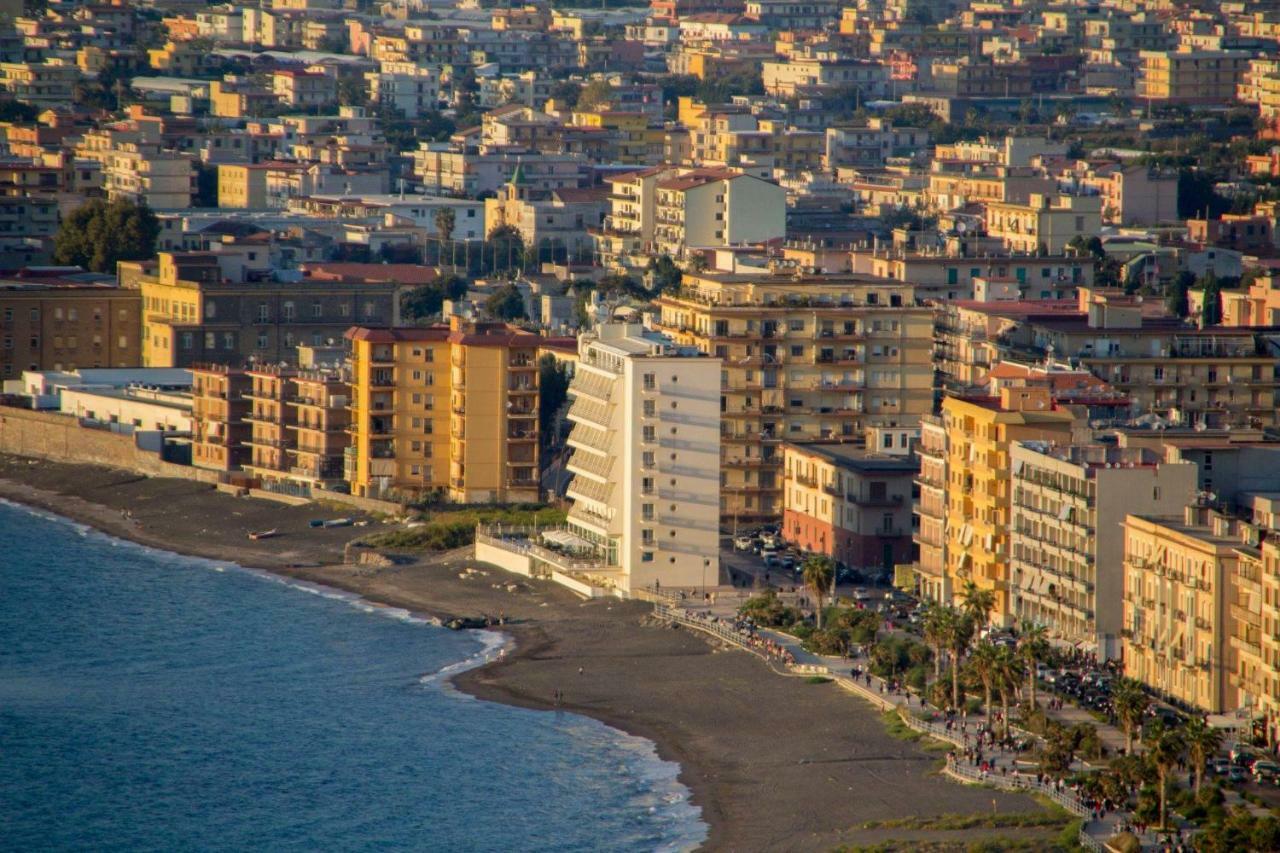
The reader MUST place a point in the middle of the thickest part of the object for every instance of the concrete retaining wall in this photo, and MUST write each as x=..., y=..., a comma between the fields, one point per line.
x=363, y=504
x=503, y=558
x=60, y=438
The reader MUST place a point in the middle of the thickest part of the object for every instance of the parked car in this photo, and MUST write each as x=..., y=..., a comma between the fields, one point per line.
x=1267, y=772
x=1244, y=755
x=1237, y=774
x=1218, y=766
x=744, y=543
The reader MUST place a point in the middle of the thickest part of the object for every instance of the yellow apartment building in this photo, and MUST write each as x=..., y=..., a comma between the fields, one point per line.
x=1179, y=606
x=220, y=433
x=979, y=433
x=804, y=357
x=1191, y=76
x=446, y=410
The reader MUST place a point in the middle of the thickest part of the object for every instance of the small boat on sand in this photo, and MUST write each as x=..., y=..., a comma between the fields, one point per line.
x=264, y=534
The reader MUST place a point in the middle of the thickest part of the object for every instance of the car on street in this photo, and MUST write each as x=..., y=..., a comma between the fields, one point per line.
x=1237, y=774
x=1218, y=766
x=744, y=543
x=1266, y=772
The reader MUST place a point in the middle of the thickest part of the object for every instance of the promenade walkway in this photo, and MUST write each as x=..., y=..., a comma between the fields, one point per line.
x=785, y=654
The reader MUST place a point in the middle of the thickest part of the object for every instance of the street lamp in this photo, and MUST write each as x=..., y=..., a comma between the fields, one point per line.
x=706, y=561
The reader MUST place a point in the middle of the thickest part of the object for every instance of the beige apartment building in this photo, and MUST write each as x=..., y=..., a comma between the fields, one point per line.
x=50, y=327
x=704, y=208
x=1067, y=535
x=43, y=84
x=626, y=239
x=930, y=535
x=1179, y=606
x=1256, y=638
x=1044, y=223
x=142, y=173
x=804, y=357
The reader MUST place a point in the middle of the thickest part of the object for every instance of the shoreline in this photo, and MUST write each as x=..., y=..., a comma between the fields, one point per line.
x=519, y=642
x=515, y=642
x=746, y=741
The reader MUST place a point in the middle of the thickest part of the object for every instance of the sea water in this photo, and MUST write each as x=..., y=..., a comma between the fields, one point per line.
x=150, y=701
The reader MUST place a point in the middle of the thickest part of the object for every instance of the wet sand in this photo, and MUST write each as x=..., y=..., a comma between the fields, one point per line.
x=774, y=763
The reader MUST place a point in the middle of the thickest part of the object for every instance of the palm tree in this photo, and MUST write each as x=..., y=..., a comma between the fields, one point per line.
x=1033, y=647
x=1131, y=703
x=445, y=221
x=1008, y=675
x=937, y=625
x=977, y=603
x=984, y=663
x=1164, y=753
x=1202, y=741
x=960, y=628
x=819, y=573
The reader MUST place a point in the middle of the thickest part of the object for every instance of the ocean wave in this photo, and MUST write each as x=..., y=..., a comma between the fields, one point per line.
x=493, y=644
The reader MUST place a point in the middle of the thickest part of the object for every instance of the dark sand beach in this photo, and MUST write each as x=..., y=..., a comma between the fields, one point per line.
x=775, y=763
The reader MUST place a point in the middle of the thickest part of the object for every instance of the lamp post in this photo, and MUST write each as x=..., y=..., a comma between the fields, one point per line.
x=706, y=561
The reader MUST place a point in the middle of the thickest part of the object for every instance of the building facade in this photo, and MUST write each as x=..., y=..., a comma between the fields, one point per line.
x=804, y=357
x=850, y=504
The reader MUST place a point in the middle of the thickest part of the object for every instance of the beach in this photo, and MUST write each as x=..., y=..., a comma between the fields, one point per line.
x=775, y=763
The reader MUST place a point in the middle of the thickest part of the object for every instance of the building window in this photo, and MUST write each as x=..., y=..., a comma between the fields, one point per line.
x=288, y=312
x=210, y=309
x=188, y=340
x=263, y=312
x=317, y=310
x=262, y=340
x=210, y=340
x=650, y=381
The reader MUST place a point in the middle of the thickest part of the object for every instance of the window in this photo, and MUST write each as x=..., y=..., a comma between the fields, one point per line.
x=262, y=340
x=210, y=340
x=650, y=381
x=797, y=352
x=288, y=312
x=650, y=408
x=646, y=486
x=210, y=309
x=317, y=310
x=228, y=340
x=795, y=325
x=188, y=340
x=650, y=434
x=646, y=459
x=646, y=556
x=264, y=313
x=369, y=309
x=646, y=537
x=646, y=512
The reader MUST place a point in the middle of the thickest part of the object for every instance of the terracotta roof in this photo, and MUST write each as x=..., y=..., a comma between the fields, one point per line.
x=370, y=273
x=390, y=336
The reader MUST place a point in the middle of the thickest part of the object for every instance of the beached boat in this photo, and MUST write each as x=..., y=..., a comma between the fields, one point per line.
x=264, y=534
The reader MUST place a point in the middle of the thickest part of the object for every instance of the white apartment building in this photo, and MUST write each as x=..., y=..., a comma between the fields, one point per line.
x=626, y=240
x=646, y=458
x=411, y=88
x=1067, y=533
x=704, y=208
x=141, y=172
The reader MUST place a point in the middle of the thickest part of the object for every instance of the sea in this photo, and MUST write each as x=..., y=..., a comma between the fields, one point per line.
x=150, y=701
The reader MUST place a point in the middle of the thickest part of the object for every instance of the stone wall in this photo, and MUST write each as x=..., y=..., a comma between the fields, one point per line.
x=60, y=438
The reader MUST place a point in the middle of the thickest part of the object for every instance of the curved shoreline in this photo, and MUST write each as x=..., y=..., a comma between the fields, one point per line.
x=520, y=642
x=455, y=674
x=773, y=763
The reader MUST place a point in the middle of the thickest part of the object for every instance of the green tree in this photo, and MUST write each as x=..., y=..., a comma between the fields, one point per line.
x=1165, y=749
x=1202, y=741
x=445, y=221
x=97, y=235
x=1131, y=703
x=506, y=303
x=961, y=635
x=1211, y=312
x=666, y=275
x=1176, y=300
x=1008, y=675
x=984, y=665
x=504, y=248
x=594, y=95
x=426, y=301
x=1033, y=647
x=938, y=623
x=553, y=387
x=819, y=573
x=977, y=603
